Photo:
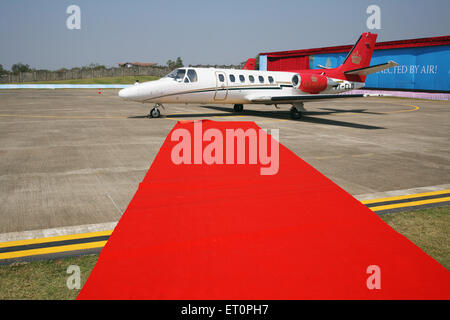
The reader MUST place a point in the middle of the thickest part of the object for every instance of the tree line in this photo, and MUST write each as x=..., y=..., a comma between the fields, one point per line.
x=21, y=67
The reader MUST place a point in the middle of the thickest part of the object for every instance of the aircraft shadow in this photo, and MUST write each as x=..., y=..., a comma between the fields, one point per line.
x=278, y=114
x=362, y=111
x=283, y=114
x=187, y=115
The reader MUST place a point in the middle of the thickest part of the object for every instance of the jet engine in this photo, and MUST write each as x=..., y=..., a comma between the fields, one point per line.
x=312, y=83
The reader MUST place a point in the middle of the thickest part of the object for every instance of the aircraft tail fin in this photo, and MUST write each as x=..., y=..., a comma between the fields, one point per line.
x=361, y=53
x=250, y=64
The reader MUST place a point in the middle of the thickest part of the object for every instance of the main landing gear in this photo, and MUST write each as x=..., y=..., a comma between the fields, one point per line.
x=297, y=111
x=154, y=112
x=238, y=107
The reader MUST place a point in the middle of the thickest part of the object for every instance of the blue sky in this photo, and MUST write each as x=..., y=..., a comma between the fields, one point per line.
x=201, y=32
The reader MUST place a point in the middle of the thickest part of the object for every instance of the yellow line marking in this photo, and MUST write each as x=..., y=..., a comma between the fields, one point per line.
x=415, y=108
x=407, y=105
x=230, y=116
x=362, y=155
x=346, y=113
x=33, y=252
x=409, y=204
x=59, y=117
x=56, y=238
x=227, y=117
x=409, y=196
x=342, y=156
x=328, y=157
x=100, y=244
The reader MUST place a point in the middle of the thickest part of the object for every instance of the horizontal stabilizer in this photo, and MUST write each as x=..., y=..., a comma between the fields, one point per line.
x=369, y=70
x=322, y=67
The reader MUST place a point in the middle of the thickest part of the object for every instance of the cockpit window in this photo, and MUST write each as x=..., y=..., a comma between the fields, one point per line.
x=192, y=75
x=177, y=74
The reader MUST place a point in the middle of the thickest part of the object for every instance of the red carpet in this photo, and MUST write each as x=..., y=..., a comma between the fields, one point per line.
x=224, y=231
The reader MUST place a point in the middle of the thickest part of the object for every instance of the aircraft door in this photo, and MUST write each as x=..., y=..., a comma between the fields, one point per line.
x=221, y=86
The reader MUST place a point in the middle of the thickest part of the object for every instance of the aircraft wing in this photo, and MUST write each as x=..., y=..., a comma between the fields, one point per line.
x=304, y=98
x=369, y=70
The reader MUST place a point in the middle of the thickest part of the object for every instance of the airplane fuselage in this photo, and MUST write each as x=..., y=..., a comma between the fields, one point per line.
x=225, y=86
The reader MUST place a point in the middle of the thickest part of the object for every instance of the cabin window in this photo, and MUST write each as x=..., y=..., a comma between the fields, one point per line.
x=177, y=74
x=270, y=79
x=192, y=75
x=186, y=80
x=232, y=78
x=221, y=78
x=241, y=78
x=251, y=78
x=261, y=79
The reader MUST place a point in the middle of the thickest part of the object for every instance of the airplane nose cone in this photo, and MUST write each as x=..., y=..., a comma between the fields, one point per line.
x=124, y=93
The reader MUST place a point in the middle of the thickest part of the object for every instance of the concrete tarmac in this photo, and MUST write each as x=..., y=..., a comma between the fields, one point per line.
x=74, y=157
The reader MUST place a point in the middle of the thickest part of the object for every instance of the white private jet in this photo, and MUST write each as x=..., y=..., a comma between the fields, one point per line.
x=239, y=87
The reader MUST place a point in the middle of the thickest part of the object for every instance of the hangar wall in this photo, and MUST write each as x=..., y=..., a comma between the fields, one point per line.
x=421, y=68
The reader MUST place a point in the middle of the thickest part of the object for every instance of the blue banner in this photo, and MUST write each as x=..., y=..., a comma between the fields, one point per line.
x=420, y=68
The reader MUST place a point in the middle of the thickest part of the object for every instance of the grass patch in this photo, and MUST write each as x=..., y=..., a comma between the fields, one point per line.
x=107, y=80
x=427, y=228
x=43, y=279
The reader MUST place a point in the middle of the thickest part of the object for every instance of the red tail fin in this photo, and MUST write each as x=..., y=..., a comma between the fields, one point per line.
x=250, y=64
x=361, y=53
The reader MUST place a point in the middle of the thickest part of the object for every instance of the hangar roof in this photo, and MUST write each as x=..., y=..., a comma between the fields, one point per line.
x=140, y=64
x=420, y=42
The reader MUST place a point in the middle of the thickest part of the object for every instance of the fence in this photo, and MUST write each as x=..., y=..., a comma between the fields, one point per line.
x=37, y=76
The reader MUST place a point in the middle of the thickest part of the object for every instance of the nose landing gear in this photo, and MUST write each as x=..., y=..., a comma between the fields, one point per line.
x=154, y=112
